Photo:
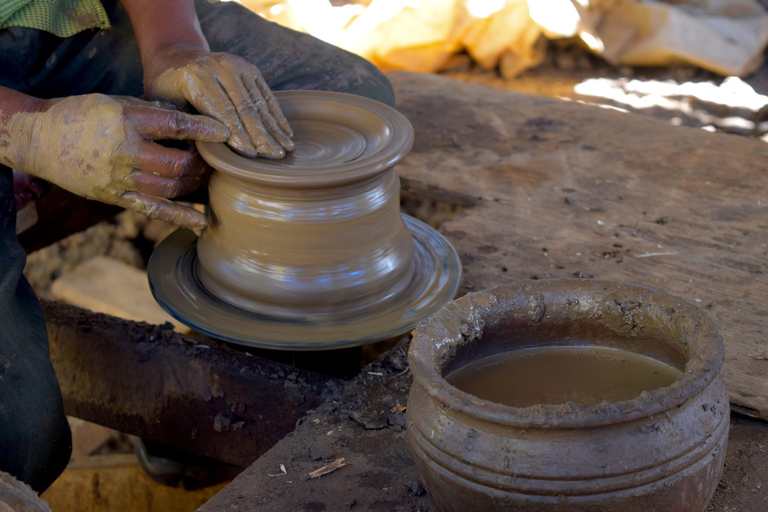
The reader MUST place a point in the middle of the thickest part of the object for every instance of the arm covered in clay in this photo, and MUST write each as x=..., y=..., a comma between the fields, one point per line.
x=179, y=67
x=101, y=147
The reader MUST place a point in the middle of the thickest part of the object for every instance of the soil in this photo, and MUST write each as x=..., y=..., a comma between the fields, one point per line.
x=743, y=487
x=365, y=426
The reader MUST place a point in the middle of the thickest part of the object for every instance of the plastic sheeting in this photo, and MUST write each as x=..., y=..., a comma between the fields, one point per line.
x=724, y=36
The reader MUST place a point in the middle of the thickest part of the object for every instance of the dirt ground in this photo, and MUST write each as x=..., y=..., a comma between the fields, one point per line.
x=744, y=483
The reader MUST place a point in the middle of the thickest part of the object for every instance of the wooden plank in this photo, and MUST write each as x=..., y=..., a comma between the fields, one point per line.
x=563, y=190
x=194, y=394
x=109, y=286
x=112, y=483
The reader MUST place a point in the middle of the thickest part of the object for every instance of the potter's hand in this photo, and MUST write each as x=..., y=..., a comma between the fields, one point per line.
x=100, y=147
x=224, y=87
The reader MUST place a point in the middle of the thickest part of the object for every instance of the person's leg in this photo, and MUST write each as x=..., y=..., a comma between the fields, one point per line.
x=288, y=59
x=35, y=441
x=108, y=61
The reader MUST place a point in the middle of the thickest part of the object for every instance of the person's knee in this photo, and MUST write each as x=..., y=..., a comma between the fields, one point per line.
x=361, y=77
x=328, y=68
x=289, y=59
x=374, y=84
x=320, y=66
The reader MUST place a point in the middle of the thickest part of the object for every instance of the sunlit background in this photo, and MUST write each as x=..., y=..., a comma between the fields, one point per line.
x=502, y=41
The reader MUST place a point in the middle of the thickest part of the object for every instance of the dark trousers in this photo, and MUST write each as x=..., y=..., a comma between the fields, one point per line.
x=35, y=441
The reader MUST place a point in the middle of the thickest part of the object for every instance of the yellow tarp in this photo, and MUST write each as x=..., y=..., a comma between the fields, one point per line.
x=724, y=36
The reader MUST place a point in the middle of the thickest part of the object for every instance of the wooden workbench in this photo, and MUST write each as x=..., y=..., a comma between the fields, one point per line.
x=550, y=189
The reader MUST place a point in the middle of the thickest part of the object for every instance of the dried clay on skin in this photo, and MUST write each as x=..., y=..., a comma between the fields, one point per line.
x=233, y=91
x=87, y=145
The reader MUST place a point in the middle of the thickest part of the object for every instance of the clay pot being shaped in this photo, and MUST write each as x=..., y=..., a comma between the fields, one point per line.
x=319, y=231
x=309, y=252
x=661, y=451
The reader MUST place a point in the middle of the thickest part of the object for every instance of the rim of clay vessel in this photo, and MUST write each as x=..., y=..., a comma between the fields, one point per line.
x=436, y=339
x=339, y=138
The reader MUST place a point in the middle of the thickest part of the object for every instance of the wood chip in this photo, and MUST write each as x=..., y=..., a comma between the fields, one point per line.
x=282, y=471
x=328, y=468
x=654, y=254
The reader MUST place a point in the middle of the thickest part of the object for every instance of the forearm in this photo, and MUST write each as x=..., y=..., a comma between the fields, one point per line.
x=17, y=114
x=159, y=24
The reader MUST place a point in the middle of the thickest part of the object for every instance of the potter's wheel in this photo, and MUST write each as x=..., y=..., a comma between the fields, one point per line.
x=173, y=278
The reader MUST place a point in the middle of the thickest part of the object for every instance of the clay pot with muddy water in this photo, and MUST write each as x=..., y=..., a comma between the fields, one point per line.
x=660, y=451
x=320, y=230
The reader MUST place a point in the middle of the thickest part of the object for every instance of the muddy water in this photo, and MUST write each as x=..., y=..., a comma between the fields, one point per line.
x=555, y=375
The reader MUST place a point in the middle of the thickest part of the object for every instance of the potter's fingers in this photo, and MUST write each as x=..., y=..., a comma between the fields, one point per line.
x=272, y=103
x=261, y=136
x=132, y=100
x=215, y=102
x=269, y=121
x=155, y=159
x=159, y=186
x=163, y=209
x=249, y=113
x=242, y=145
x=155, y=123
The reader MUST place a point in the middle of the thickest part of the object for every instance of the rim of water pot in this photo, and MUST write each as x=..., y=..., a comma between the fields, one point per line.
x=398, y=143
x=425, y=359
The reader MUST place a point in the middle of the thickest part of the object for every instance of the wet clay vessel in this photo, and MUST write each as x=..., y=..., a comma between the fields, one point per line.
x=663, y=450
x=310, y=251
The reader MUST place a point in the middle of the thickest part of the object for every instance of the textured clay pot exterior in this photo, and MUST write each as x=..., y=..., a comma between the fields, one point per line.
x=662, y=451
x=320, y=229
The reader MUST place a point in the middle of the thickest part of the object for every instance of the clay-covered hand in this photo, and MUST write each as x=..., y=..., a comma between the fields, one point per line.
x=227, y=88
x=101, y=147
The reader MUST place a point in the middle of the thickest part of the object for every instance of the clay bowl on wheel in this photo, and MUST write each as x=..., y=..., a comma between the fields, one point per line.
x=660, y=451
